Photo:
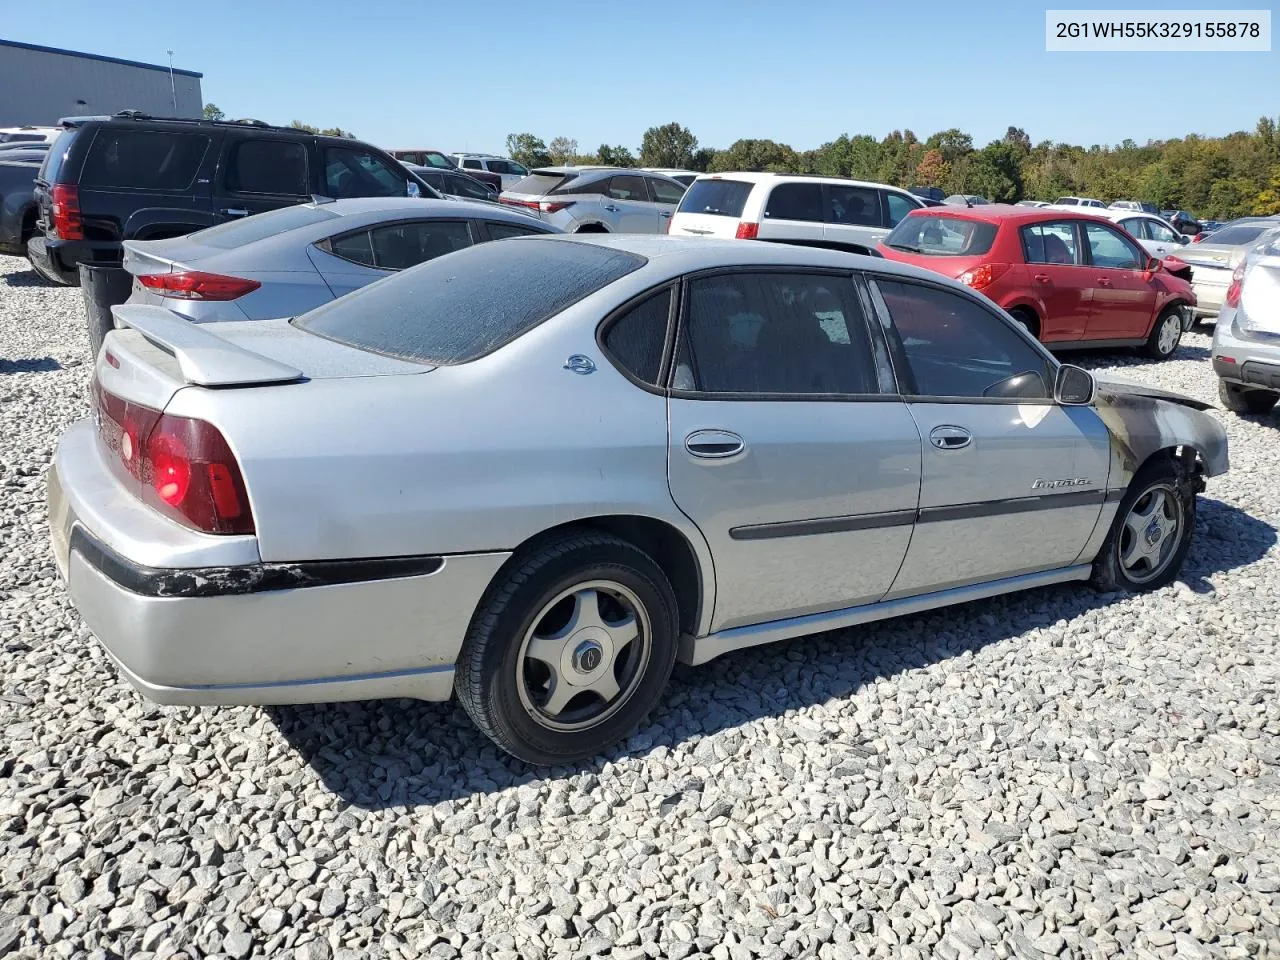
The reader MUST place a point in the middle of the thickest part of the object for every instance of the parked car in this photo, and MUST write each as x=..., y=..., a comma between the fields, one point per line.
x=928, y=193
x=424, y=157
x=1135, y=205
x=455, y=183
x=251, y=499
x=1246, y=339
x=18, y=169
x=597, y=199
x=135, y=177
x=32, y=135
x=1208, y=226
x=1183, y=222
x=288, y=261
x=1155, y=234
x=965, y=200
x=1072, y=279
x=850, y=215
x=23, y=146
x=1032, y=203
x=1215, y=259
x=508, y=171
x=683, y=177
x=1078, y=202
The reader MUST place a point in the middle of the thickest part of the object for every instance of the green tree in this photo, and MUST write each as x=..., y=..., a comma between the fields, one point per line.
x=670, y=145
x=995, y=174
x=932, y=169
x=703, y=157
x=756, y=156
x=527, y=149
x=326, y=132
x=562, y=150
x=213, y=112
x=618, y=156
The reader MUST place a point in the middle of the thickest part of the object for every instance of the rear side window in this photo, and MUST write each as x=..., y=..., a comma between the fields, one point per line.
x=142, y=159
x=399, y=246
x=471, y=164
x=942, y=236
x=636, y=339
x=854, y=206
x=721, y=198
x=628, y=188
x=459, y=308
x=796, y=201
x=664, y=192
x=269, y=166
x=499, y=230
x=236, y=233
x=1051, y=243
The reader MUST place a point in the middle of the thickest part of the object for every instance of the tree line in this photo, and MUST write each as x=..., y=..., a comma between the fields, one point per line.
x=1215, y=177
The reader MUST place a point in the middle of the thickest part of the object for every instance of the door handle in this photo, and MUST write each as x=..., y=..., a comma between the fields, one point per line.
x=611, y=208
x=235, y=212
x=714, y=444
x=1104, y=282
x=666, y=214
x=1041, y=278
x=950, y=437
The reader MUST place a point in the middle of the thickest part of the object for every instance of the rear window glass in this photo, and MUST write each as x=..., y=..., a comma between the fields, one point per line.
x=458, y=308
x=1235, y=236
x=143, y=159
x=942, y=236
x=236, y=233
x=721, y=198
x=57, y=154
x=539, y=184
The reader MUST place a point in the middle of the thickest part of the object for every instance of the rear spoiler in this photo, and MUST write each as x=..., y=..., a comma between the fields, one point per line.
x=204, y=358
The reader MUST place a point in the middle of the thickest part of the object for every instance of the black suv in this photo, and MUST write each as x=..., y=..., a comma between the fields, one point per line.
x=136, y=177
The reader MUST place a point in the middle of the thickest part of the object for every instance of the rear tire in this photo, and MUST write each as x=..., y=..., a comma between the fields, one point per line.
x=1152, y=530
x=1240, y=399
x=569, y=649
x=1166, y=334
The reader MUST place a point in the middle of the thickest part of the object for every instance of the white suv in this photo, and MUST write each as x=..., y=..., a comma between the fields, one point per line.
x=819, y=211
x=510, y=171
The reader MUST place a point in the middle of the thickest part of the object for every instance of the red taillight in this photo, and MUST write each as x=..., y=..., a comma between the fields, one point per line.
x=1198, y=237
x=64, y=212
x=747, y=231
x=1237, y=282
x=512, y=202
x=553, y=206
x=983, y=276
x=195, y=285
x=181, y=466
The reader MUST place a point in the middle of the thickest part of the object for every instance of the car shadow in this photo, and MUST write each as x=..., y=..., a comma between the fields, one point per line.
x=1129, y=356
x=32, y=365
x=407, y=753
x=27, y=278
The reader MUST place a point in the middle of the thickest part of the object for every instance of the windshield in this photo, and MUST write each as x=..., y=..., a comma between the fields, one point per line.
x=721, y=198
x=939, y=236
x=464, y=305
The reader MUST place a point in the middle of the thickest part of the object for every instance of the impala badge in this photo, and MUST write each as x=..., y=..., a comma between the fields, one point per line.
x=1054, y=484
x=580, y=364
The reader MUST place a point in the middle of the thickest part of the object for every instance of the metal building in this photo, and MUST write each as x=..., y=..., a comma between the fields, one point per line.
x=40, y=85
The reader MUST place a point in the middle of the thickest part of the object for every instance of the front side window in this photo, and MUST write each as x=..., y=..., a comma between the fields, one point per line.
x=628, y=188
x=857, y=206
x=775, y=333
x=795, y=201
x=352, y=172
x=1110, y=248
x=636, y=339
x=466, y=187
x=664, y=192
x=954, y=347
x=898, y=207
x=136, y=159
x=1053, y=243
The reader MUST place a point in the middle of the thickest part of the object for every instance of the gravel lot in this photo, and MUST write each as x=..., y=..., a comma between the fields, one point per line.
x=1057, y=773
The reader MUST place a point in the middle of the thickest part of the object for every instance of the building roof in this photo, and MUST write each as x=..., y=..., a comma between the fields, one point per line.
x=95, y=56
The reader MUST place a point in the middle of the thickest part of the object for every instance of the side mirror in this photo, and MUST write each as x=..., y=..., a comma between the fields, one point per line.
x=1183, y=239
x=1074, y=386
x=1153, y=265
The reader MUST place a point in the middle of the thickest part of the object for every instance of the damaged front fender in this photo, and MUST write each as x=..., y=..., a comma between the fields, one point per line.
x=1145, y=420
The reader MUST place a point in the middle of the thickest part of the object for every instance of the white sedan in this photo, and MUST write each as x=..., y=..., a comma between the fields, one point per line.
x=1156, y=234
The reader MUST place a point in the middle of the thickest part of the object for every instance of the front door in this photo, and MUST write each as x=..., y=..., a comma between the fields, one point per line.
x=257, y=174
x=1011, y=483
x=1124, y=299
x=785, y=449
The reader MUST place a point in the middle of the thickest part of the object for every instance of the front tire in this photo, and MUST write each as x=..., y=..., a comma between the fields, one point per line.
x=1239, y=399
x=1165, y=336
x=569, y=649
x=1152, y=530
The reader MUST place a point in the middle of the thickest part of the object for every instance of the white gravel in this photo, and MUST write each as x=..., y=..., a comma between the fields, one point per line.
x=1055, y=773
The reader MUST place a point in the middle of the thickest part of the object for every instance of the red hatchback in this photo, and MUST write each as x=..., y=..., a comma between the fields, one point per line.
x=1073, y=280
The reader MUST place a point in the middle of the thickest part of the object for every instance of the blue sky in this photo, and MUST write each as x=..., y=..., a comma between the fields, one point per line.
x=461, y=76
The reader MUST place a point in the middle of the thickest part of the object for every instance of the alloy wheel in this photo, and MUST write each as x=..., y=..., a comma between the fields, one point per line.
x=1152, y=529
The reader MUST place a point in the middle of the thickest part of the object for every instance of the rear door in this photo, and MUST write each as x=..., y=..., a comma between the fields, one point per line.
x=629, y=207
x=1163, y=240
x=1124, y=298
x=786, y=449
x=793, y=212
x=1011, y=483
x=853, y=216
x=712, y=207
x=666, y=197
x=1059, y=278
x=256, y=174
x=353, y=260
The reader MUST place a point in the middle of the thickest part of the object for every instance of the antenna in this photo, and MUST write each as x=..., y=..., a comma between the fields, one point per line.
x=173, y=90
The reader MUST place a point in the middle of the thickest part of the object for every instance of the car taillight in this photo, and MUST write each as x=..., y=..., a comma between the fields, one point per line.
x=196, y=285
x=64, y=212
x=553, y=206
x=512, y=202
x=1237, y=282
x=179, y=465
x=983, y=276
x=747, y=231
x=1198, y=237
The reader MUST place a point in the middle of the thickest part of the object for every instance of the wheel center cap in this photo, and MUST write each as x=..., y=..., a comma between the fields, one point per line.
x=586, y=655
x=1153, y=533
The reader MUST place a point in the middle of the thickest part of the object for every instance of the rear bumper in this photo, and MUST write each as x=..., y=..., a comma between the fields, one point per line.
x=1248, y=361
x=1209, y=293
x=255, y=633
x=62, y=258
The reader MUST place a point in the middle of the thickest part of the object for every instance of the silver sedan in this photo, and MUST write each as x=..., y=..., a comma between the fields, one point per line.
x=535, y=473
x=288, y=261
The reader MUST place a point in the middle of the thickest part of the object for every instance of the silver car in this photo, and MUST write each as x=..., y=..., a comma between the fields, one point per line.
x=536, y=473
x=1215, y=258
x=288, y=261
x=597, y=199
x=1246, y=340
